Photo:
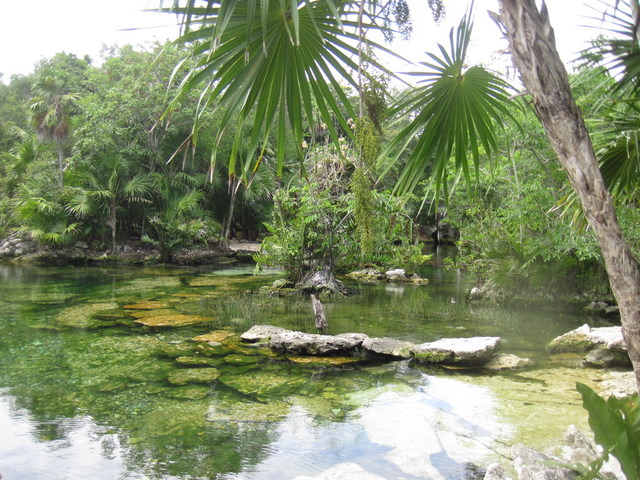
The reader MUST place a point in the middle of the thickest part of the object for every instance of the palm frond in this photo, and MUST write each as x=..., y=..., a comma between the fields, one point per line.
x=457, y=109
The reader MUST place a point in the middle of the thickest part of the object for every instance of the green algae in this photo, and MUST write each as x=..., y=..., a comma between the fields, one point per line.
x=84, y=316
x=174, y=320
x=262, y=382
x=248, y=412
x=184, y=376
x=117, y=375
x=200, y=361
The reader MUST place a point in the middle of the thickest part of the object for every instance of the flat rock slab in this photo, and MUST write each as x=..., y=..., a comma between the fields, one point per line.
x=300, y=343
x=388, y=347
x=474, y=351
x=261, y=333
x=585, y=338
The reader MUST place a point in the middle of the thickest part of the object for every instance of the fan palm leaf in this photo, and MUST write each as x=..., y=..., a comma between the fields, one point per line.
x=457, y=110
x=277, y=62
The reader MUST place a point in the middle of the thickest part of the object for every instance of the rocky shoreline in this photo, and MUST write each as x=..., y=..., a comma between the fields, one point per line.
x=22, y=251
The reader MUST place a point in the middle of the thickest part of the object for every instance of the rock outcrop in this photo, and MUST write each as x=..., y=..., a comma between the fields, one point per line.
x=261, y=333
x=530, y=464
x=300, y=343
x=396, y=275
x=585, y=338
x=473, y=352
x=604, y=347
x=470, y=352
x=387, y=347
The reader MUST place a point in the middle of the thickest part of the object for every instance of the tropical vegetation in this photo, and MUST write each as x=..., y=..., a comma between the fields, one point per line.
x=279, y=123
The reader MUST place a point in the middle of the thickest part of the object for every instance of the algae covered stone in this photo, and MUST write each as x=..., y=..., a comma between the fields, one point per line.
x=185, y=376
x=324, y=361
x=585, y=338
x=239, y=359
x=248, y=412
x=83, y=316
x=147, y=305
x=198, y=361
x=215, y=337
x=264, y=382
x=177, y=320
x=508, y=361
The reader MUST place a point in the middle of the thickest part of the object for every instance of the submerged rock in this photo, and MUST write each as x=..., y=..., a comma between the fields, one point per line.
x=84, y=316
x=185, y=376
x=300, y=343
x=601, y=357
x=148, y=305
x=474, y=351
x=177, y=320
x=324, y=361
x=263, y=382
x=215, y=337
x=388, y=347
x=248, y=412
x=261, y=333
x=507, y=361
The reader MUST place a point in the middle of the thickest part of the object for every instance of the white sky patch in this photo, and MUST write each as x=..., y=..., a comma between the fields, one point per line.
x=45, y=27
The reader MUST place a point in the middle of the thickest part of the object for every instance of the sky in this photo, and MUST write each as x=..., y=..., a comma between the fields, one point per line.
x=82, y=27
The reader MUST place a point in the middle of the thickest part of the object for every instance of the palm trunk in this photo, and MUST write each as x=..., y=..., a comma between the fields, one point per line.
x=532, y=45
x=226, y=230
x=61, y=164
x=113, y=224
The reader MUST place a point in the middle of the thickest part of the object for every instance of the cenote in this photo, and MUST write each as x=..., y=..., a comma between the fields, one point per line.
x=89, y=392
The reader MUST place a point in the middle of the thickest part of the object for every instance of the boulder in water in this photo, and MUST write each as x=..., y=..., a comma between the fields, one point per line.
x=473, y=352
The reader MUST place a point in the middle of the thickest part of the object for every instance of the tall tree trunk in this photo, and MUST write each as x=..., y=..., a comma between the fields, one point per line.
x=112, y=223
x=60, y=150
x=532, y=45
x=226, y=228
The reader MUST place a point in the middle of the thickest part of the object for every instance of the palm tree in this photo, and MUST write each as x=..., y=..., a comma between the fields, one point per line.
x=52, y=109
x=107, y=184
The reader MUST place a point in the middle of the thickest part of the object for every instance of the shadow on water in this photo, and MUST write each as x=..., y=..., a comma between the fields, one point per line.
x=88, y=391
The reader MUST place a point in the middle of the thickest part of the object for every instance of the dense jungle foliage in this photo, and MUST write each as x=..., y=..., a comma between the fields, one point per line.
x=85, y=156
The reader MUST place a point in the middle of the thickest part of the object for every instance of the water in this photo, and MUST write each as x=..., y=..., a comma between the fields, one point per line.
x=88, y=392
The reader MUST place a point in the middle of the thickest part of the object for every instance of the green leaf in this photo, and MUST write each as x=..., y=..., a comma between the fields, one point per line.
x=610, y=430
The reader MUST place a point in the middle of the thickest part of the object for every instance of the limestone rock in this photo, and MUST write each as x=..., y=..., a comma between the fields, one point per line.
x=604, y=358
x=619, y=384
x=300, y=343
x=507, y=361
x=474, y=351
x=388, y=347
x=396, y=274
x=533, y=465
x=585, y=338
x=356, y=337
x=259, y=333
x=495, y=472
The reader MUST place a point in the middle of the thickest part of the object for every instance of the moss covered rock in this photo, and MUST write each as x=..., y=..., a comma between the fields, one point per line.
x=185, y=376
x=176, y=320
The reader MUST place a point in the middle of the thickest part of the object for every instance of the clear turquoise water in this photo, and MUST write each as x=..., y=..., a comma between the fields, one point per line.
x=85, y=390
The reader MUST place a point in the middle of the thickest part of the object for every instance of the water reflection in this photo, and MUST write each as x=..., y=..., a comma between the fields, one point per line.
x=85, y=390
